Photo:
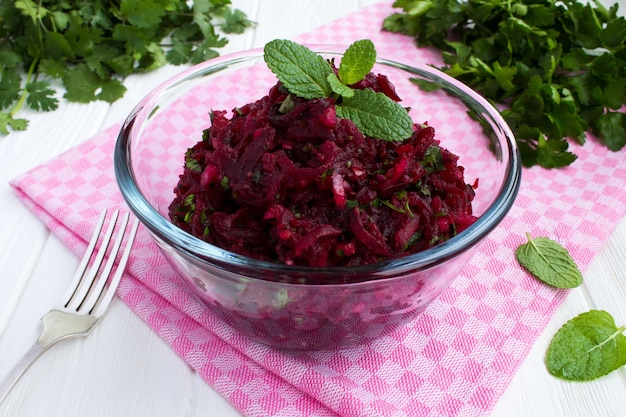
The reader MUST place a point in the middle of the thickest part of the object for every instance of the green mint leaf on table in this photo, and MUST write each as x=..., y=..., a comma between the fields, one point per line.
x=549, y=262
x=357, y=61
x=376, y=115
x=91, y=47
x=587, y=347
x=302, y=71
x=308, y=75
x=559, y=69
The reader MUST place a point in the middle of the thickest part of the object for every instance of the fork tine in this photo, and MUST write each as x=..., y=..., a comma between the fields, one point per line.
x=85, y=280
x=100, y=277
x=105, y=297
x=84, y=263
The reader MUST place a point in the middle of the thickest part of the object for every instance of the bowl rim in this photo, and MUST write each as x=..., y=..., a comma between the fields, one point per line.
x=195, y=248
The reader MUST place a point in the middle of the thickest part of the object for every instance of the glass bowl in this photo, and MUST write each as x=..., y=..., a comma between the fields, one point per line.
x=308, y=308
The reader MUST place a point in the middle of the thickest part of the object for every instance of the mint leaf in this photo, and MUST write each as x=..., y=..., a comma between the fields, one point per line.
x=337, y=87
x=587, y=347
x=549, y=262
x=376, y=115
x=302, y=71
x=357, y=61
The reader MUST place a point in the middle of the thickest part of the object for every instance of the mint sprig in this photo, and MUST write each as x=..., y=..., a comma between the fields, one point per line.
x=308, y=75
x=587, y=347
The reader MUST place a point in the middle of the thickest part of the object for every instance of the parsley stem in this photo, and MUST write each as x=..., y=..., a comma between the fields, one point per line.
x=24, y=94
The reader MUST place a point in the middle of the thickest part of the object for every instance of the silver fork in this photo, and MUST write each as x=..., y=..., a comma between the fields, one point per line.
x=87, y=296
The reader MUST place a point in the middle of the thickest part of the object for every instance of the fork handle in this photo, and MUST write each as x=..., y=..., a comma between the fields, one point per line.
x=57, y=325
x=20, y=368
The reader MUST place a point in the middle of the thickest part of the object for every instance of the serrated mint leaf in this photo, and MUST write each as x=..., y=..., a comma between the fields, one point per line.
x=357, y=61
x=549, y=262
x=302, y=71
x=376, y=115
x=339, y=88
x=587, y=347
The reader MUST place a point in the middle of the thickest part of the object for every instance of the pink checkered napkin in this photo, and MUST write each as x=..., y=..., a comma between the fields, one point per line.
x=456, y=359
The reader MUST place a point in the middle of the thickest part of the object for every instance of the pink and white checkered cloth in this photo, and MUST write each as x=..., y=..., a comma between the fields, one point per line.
x=456, y=359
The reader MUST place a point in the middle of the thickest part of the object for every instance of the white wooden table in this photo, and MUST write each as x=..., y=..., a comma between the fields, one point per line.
x=123, y=368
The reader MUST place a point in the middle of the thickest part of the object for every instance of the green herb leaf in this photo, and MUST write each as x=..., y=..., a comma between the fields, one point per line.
x=357, y=61
x=549, y=262
x=376, y=115
x=142, y=13
x=587, y=347
x=611, y=126
x=10, y=85
x=41, y=96
x=338, y=87
x=302, y=71
x=8, y=121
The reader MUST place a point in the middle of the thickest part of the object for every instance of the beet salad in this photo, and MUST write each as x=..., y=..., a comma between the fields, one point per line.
x=301, y=179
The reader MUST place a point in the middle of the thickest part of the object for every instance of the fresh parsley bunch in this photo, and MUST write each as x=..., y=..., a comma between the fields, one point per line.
x=92, y=45
x=559, y=67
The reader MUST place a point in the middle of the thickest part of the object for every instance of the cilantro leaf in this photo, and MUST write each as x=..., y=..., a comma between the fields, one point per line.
x=10, y=85
x=8, y=121
x=376, y=115
x=84, y=86
x=302, y=71
x=235, y=21
x=611, y=126
x=142, y=13
x=549, y=262
x=357, y=61
x=587, y=347
x=41, y=96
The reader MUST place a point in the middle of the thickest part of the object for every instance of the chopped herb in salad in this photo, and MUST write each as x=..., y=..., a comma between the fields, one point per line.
x=323, y=171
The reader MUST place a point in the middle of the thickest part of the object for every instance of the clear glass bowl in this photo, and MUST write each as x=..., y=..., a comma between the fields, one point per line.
x=268, y=301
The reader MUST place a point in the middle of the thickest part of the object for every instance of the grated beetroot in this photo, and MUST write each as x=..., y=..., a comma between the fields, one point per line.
x=286, y=180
